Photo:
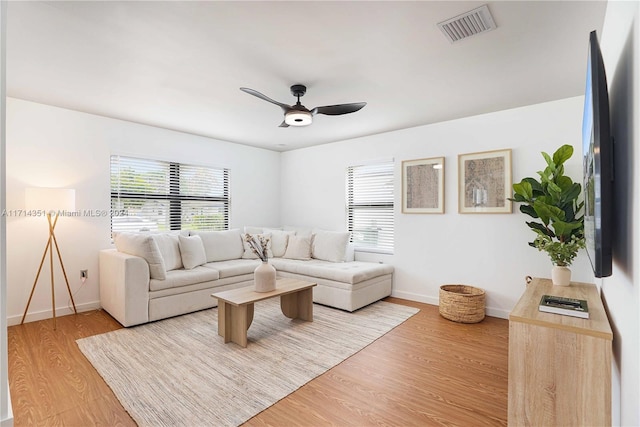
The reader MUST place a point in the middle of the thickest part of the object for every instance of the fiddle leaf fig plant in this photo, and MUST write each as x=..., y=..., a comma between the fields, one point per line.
x=553, y=202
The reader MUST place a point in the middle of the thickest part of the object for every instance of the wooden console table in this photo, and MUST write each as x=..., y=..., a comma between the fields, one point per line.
x=559, y=366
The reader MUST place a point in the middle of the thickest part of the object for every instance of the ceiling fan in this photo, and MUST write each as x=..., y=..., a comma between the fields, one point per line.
x=298, y=114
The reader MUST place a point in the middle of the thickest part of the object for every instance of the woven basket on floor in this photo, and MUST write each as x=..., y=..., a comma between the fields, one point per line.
x=461, y=303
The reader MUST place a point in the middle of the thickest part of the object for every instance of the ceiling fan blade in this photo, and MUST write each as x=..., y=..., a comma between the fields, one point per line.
x=336, y=110
x=255, y=93
x=283, y=125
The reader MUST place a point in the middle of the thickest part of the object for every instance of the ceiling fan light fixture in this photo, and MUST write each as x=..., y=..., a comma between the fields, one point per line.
x=298, y=114
x=298, y=118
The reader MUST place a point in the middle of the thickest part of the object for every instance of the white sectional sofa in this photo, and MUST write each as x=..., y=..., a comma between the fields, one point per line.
x=149, y=277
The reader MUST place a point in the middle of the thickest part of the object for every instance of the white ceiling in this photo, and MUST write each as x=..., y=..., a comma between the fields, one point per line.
x=179, y=65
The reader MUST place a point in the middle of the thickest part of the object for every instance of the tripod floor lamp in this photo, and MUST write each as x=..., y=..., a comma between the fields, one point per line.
x=52, y=202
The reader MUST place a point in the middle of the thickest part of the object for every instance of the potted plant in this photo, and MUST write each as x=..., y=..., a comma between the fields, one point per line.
x=553, y=201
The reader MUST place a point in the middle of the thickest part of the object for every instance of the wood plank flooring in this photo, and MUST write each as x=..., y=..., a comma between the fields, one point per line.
x=426, y=372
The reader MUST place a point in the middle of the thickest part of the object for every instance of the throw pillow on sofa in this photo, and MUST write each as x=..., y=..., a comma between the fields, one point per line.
x=221, y=245
x=330, y=245
x=144, y=246
x=192, y=251
x=263, y=239
x=299, y=247
x=169, y=249
x=279, y=240
x=300, y=231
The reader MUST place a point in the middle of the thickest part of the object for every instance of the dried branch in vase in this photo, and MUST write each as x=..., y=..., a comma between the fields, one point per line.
x=257, y=246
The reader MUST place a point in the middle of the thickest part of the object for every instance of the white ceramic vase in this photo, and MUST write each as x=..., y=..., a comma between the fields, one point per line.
x=264, y=277
x=561, y=276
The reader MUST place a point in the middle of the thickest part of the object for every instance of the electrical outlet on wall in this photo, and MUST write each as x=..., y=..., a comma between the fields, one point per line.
x=84, y=274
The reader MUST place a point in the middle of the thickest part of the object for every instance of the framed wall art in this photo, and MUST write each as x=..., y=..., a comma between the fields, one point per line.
x=423, y=185
x=484, y=182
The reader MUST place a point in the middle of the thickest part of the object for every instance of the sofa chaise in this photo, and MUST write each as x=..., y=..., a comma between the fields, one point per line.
x=153, y=276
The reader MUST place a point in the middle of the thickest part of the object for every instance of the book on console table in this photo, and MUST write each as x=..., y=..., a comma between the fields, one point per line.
x=565, y=306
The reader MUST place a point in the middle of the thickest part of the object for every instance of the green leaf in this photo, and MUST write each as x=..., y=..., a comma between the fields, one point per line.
x=536, y=187
x=564, y=182
x=564, y=229
x=562, y=154
x=542, y=211
x=517, y=198
x=572, y=192
x=549, y=161
x=554, y=189
x=539, y=228
x=523, y=189
x=569, y=213
x=548, y=200
x=527, y=209
x=546, y=212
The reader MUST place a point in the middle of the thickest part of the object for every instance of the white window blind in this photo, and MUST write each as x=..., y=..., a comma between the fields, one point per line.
x=370, y=206
x=157, y=195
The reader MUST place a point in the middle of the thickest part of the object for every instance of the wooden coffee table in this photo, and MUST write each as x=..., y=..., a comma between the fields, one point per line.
x=235, y=307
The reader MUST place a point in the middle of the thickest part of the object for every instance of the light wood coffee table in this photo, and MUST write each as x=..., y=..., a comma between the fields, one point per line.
x=235, y=307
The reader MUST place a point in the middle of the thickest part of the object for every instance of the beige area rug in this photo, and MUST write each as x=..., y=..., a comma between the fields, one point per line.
x=179, y=371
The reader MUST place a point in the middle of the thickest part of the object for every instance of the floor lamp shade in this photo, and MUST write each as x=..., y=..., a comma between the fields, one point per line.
x=50, y=199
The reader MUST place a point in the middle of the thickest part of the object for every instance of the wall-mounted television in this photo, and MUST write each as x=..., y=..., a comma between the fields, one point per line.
x=597, y=150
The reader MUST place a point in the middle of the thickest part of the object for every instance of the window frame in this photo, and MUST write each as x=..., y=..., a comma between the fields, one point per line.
x=173, y=196
x=388, y=204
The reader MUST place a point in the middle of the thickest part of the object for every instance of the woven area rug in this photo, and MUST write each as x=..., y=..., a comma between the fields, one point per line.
x=179, y=371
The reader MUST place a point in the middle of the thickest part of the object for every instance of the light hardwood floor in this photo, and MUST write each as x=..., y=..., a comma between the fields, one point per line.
x=426, y=372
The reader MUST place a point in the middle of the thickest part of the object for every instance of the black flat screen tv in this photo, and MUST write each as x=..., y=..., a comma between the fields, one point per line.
x=597, y=150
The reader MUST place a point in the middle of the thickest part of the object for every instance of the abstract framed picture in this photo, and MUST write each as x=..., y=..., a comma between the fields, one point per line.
x=423, y=186
x=484, y=182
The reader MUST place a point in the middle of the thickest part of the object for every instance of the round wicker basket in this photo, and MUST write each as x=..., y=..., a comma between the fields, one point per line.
x=462, y=303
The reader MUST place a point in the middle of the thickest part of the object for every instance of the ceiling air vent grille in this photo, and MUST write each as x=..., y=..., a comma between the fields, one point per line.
x=468, y=24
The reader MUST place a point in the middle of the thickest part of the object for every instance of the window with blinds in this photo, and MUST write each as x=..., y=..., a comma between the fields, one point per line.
x=370, y=206
x=155, y=195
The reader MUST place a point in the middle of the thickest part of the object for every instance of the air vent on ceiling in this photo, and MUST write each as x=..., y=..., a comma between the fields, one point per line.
x=468, y=24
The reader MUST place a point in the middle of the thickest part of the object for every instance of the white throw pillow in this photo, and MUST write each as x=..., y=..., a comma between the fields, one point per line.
x=298, y=248
x=169, y=249
x=144, y=246
x=192, y=251
x=304, y=232
x=221, y=245
x=330, y=245
x=279, y=240
x=263, y=239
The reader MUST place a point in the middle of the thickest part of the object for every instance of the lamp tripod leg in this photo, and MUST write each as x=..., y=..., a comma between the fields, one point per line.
x=64, y=272
x=35, y=282
x=53, y=293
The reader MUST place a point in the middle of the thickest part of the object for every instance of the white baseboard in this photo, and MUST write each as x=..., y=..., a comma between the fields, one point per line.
x=415, y=297
x=497, y=312
x=493, y=312
x=48, y=314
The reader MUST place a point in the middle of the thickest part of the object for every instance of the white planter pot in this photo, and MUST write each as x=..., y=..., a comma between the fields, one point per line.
x=561, y=276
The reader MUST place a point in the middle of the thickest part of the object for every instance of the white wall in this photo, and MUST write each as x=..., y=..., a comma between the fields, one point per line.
x=55, y=147
x=620, y=45
x=6, y=413
x=485, y=250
